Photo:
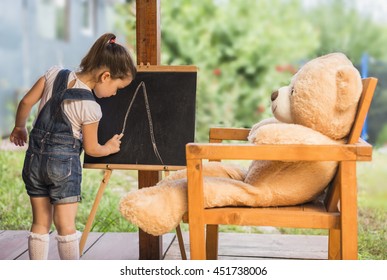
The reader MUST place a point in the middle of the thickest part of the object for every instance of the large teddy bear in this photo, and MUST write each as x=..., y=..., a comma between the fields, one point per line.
x=318, y=107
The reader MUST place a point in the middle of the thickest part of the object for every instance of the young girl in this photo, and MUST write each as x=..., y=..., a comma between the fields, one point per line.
x=67, y=121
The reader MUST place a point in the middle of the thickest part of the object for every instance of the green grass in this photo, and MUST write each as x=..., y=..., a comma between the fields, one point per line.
x=15, y=212
x=14, y=203
x=372, y=200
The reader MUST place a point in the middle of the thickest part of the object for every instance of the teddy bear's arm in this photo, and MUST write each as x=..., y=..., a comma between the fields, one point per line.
x=282, y=133
x=255, y=127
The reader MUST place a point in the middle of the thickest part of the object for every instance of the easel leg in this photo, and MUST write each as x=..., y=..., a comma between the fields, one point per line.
x=181, y=243
x=93, y=211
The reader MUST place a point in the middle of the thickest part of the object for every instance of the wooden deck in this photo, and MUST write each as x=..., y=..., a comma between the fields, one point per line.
x=124, y=246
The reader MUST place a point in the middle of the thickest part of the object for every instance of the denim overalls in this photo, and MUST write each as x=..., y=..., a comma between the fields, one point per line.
x=52, y=166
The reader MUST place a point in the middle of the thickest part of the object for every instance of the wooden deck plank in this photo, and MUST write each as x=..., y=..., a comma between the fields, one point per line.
x=262, y=246
x=232, y=246
x=274, y=246
x=120, y=246
x=114, y=246
x=13, y=243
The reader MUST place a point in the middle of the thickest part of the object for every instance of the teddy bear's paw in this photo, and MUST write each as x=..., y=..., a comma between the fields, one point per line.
x=224, y=170
x=210, y=169
x=156, y=210
x=180, y=174
x=254, y=130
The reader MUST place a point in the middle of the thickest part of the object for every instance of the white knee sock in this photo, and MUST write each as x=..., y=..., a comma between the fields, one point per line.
x=38, y=246
x=68, y=246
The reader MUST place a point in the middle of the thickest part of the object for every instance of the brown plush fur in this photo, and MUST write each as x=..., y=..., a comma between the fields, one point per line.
x=318, y=107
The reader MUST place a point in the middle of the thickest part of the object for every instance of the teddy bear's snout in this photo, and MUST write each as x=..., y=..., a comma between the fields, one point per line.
x=274, y=95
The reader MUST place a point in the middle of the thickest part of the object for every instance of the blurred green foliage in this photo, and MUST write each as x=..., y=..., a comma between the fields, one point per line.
x=247, y=49
x=342, y=27
x=377, y=116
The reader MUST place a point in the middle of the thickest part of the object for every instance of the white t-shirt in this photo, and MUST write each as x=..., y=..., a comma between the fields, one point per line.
x=79, y=112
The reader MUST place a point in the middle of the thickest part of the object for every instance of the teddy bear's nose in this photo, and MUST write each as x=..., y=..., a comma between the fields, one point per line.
x=274, y=95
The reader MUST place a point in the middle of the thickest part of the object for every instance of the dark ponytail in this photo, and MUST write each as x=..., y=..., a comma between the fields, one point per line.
x=105, y=52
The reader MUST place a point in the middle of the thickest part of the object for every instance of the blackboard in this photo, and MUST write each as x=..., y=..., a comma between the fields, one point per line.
x=164, y=101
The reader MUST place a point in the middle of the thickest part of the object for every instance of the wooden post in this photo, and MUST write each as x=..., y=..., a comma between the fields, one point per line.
x=148, y=33
x=148, y=52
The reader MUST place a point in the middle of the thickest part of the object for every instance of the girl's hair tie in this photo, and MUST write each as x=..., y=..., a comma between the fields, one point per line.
x=112, y=40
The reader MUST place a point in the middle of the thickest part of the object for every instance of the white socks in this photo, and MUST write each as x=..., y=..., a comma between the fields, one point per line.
x=38, y=246
x=68, y=246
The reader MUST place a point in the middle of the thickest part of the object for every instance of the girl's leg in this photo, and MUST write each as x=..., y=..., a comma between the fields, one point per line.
x=68, y=238
x=38, y=241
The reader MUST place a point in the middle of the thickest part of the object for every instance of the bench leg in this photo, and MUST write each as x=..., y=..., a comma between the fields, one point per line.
x=197, y=241
x=212, y=237
x=334, y=248
x=348, y=208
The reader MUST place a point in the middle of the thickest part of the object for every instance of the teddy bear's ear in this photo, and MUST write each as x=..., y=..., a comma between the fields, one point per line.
x=349, y=87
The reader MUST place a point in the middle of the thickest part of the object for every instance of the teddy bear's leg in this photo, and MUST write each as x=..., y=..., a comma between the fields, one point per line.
x=290, y=183
x=156, y=210
x=159, y=209
x=271, y=183
x=228, y=192
x=212, y=169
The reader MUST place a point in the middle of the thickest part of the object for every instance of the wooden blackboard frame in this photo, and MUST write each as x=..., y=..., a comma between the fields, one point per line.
x=148, y=167
x=109, y=167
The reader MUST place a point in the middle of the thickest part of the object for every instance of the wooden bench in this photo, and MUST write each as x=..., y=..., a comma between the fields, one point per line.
x=338, y=212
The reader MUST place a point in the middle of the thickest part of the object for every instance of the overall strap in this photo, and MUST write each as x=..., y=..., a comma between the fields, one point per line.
x=52, y=108
x=61, y=80
x=58, y=91
x=78, y=94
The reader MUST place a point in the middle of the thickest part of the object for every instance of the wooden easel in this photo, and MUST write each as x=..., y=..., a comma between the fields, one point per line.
x=145, y=239
x=148, y=38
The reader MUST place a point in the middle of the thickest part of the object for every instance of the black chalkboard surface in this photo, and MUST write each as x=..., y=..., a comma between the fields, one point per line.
x=156, y=112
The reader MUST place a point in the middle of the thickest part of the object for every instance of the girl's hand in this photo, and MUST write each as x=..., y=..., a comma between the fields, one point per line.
x=114, y=143
x=18, y=136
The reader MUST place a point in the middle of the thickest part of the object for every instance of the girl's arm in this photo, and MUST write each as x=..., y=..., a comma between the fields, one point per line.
x=19, y=133
x=91, y=145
